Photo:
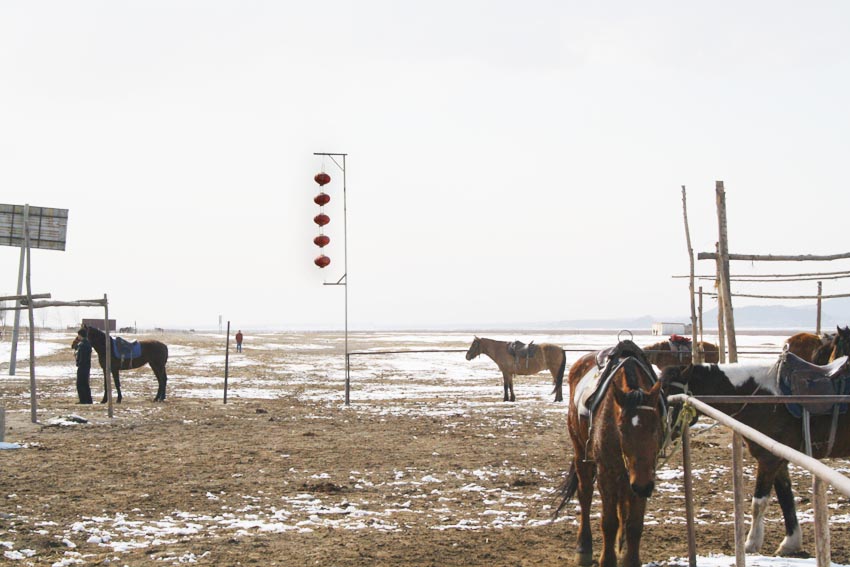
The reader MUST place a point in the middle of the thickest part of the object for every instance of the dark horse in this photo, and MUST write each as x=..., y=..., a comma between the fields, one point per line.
x=678, y=353
x=775, y=422
x=152, y=352
x=810, y=347
x=835, y=346
x=616, y=442
x=545, y=356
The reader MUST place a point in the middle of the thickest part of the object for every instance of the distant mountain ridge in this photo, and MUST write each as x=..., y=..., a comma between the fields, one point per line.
x=834, y=312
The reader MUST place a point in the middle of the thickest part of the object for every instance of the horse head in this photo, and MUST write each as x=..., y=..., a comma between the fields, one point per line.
x=840, y=343
x=474, y=349
x=676, y=380
x=640, y=422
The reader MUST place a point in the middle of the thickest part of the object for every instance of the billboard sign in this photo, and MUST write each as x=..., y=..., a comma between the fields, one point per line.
x=47, y=227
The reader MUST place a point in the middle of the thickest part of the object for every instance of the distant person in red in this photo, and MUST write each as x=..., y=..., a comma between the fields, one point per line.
x=239, y=340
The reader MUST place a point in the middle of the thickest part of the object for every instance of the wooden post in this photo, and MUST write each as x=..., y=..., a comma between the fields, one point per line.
x=822, y=543
x=226, y=360
x=33, y=397
x=738, y=487
x=107, y=371
x=689, y=497
x=820, y=301
x=721, y=328
x=723, y=249
x=695, y=351
x=701, y=328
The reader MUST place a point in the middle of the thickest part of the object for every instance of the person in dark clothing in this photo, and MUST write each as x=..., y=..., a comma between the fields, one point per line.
x=83, y=357
x=239, y=341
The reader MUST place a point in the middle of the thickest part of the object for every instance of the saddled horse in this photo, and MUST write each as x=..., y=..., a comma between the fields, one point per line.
x=678, y=353
x=617, y=430
x=775, y=422
x=152, y=352
x=810, y=347
x=544, y=356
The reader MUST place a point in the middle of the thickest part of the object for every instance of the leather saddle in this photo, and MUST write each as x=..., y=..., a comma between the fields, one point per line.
x=125, y=350
x=520, y=350
x=607, y=363
x=797, y=377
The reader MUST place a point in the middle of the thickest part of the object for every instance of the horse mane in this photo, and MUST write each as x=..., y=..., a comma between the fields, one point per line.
x=634, y=398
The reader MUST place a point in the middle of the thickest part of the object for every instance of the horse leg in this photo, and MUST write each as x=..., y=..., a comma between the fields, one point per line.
x=793, y=542
x=584, y=545
x=511, y=386
x=610, y=526
x=765, y=475
x=117, y=384
x=506, y=380
x=632, y=528
x=162, y=379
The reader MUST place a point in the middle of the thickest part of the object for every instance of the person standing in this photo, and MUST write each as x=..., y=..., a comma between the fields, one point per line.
x=83, y=357
x=239, y=340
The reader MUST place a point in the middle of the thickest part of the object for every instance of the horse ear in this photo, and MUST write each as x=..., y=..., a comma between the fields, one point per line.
x=654, y=392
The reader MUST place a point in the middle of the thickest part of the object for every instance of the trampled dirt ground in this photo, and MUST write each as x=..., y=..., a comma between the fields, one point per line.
x=426, y=466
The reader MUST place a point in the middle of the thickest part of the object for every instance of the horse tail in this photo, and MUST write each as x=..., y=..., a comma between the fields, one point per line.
x=567, y=489
x=559, y=379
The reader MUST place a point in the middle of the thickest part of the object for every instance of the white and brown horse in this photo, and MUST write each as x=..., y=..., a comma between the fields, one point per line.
x=546, y=356
x=775, y=422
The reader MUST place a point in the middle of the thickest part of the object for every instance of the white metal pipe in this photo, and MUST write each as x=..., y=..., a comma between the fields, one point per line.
x=814, y=466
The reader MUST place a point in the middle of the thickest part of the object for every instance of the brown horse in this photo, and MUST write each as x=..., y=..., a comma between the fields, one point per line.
x=617, y=444
x=834, y=346
x=807, y=345
x=546, y=357
x=151, y=352
x=662, y=354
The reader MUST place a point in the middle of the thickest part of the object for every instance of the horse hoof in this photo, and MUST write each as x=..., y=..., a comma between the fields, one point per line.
x=584, y=558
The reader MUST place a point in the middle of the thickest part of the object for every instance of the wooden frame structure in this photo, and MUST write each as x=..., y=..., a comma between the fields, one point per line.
x=36, y=302
x=822, y=474
x=726, y=331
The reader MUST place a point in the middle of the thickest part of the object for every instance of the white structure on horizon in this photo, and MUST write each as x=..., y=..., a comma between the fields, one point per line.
x=664, y=329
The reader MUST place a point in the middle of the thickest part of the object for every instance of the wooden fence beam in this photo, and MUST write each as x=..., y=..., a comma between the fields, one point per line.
x=775, y=257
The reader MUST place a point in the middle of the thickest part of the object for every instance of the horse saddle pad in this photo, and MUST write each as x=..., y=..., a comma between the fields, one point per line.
x=798, y=377
x=521, y=350
x=125, y=349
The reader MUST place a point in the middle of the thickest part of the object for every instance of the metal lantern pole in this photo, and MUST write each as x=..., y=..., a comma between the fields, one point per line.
x=343, y=281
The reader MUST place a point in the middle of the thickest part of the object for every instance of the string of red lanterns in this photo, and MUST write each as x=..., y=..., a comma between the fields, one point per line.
x=322, y=219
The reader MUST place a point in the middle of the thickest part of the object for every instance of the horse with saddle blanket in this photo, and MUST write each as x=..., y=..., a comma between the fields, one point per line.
x=822, y=430
x=126, y=355
x=516, y=358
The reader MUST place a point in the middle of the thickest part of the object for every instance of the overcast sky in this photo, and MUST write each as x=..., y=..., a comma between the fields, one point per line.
x=507, y=161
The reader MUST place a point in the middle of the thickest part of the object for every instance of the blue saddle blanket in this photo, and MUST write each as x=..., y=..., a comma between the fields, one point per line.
x=125, y=349
x=835, y=383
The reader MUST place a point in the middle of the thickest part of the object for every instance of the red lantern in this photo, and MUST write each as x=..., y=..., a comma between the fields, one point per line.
x=322, y=199
x=322, y=178
x=321, y=219
x=322, y=261
x=321, y=241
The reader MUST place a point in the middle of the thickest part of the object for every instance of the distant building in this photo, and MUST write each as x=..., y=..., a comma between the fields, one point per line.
x=665, y=329
x=98, y=324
